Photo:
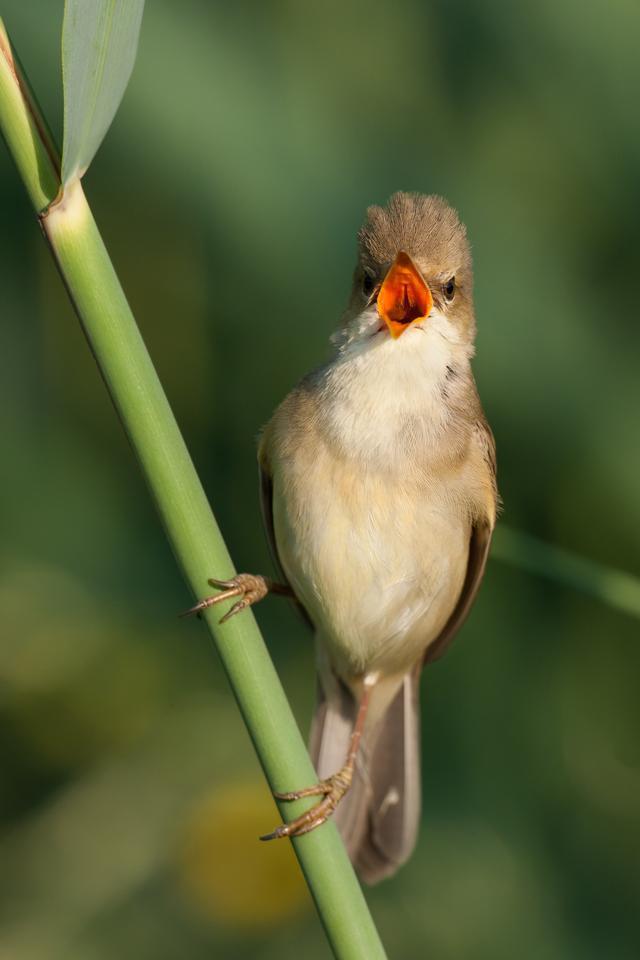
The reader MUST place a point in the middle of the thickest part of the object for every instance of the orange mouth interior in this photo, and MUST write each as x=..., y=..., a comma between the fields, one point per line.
x=404, y=296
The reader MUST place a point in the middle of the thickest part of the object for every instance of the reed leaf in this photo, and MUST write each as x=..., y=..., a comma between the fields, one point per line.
x=99, y=45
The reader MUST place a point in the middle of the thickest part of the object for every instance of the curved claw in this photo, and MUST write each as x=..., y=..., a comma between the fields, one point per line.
x=211, y=602
x=236, y=608
x=224, y=584
x=275, y=835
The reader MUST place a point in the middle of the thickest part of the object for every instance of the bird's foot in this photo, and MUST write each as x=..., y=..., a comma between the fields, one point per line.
x=248, y=587
x=332, y=790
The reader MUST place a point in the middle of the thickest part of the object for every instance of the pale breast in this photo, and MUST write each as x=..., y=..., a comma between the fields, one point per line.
x=379, y=565
x=372, y=495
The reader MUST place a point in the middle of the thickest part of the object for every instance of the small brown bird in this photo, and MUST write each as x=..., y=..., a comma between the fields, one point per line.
x=379, y=496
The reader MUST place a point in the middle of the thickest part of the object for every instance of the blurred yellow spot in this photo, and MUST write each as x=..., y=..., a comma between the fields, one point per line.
x=226, y=872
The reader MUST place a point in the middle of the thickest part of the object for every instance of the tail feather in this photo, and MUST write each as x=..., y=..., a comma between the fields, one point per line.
x=379, y=816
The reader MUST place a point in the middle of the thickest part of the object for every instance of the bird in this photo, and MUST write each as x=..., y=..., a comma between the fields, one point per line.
x=379, y=499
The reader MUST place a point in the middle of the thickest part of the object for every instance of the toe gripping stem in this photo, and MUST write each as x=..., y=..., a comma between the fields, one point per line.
x=333, y=789
x=249, y=588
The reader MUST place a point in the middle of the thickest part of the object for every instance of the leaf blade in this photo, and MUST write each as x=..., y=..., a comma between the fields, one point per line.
x=99, y=45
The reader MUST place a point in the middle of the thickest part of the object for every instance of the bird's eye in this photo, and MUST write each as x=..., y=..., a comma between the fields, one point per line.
x=450, y=289
x=368, y=283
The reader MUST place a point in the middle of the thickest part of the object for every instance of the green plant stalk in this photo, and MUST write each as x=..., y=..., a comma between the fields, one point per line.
x=25, y=131
x=192, y=530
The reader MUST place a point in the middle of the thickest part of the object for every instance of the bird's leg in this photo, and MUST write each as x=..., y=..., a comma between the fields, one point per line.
x=249, y=587
x=333, y=789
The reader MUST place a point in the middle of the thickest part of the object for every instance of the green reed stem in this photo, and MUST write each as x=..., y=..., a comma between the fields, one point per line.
x=191, y=528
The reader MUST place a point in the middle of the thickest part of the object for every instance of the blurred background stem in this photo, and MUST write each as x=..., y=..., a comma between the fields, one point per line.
x=192, y=530
x=617, y=589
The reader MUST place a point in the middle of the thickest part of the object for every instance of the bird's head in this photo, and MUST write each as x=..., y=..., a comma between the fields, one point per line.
x=413, y=273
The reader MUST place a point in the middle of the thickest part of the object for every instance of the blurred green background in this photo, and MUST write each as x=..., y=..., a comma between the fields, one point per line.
x=229, y=191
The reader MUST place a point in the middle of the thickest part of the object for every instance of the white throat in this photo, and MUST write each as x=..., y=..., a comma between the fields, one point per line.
x=385, y=400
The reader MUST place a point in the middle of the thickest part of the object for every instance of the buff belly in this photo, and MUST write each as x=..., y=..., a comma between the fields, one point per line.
x=378, y=565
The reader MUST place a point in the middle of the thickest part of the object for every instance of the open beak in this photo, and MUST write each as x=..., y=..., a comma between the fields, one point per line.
x=404, y=296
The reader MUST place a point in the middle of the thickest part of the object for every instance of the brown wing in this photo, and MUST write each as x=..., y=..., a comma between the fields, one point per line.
x=478, y=552
x=266, y=503
x=479, y=543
